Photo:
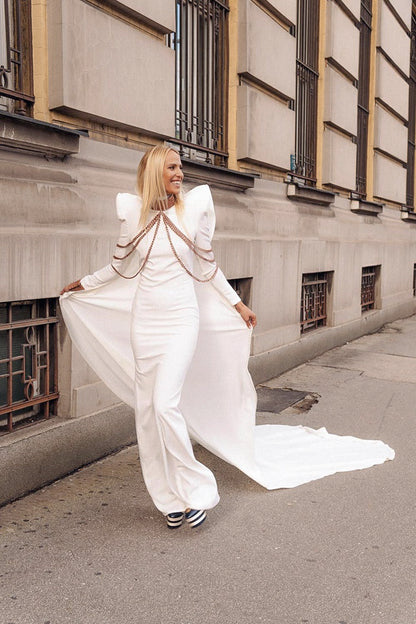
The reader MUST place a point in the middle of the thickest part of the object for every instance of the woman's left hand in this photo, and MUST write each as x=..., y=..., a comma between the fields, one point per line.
x=72, y=287
x=246, y=314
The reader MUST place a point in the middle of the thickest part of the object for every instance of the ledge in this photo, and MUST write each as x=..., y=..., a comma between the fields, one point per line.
x=34, y=456
x=297, y=191
x=132, y=13
x=39, y=137
x=217, y=176
x=408, y=214
x=364, y=207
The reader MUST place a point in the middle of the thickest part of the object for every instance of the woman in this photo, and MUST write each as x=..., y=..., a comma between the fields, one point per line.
x=164, y=329
x=162, y=319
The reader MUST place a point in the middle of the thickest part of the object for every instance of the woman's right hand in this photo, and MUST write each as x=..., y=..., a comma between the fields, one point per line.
x=246, y=314
x=74, y=286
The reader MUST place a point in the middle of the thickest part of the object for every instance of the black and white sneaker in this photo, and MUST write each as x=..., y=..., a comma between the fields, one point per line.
x=195, y=517
x=175, y=519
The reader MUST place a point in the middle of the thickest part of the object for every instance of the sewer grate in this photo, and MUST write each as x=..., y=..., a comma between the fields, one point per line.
x=278, y=399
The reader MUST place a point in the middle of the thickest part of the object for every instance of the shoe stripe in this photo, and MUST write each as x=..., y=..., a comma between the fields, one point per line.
x=198, y=522
x=174, y=520
x=196, y=518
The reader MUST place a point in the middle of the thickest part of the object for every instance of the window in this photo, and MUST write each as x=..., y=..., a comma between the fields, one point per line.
x=410, y=182
x=16, y=90
x=363, y=96
x=370, y=281
x=201, y=46
x=306, y=88
x=28, y=362
x=414, y=280
x=314, y=302
x=242, y=287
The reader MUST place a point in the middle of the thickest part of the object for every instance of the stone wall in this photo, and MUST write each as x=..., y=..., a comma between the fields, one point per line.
x=111, y=72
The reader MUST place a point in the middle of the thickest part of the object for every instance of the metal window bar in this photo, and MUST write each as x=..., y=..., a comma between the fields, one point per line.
x=313, y=309
x=307, y=43
x=368, y=288
x=28, y=362
x=16, y=88
x=201, y=45
x=411, y=139
x=363, y=96
x=414, y=280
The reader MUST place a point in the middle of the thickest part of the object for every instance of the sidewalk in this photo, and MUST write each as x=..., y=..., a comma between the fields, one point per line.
x=91, y=549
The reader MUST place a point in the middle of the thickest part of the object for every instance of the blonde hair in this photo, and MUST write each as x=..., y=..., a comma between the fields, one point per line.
x=150, y=184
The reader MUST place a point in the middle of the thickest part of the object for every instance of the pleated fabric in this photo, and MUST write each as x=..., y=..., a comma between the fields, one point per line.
x=193, y=375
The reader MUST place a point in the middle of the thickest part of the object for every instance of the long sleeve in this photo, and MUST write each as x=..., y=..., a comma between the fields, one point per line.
x=203, y=241
x=108, y=273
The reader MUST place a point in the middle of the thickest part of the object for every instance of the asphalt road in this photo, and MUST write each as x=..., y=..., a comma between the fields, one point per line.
x=91, y=549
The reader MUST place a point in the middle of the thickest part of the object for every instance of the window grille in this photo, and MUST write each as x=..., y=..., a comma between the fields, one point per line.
x=410, y=181
x=414, y=280
x=201, y=46
x=16, y=90
x=368, y=288
x=313, y=309
x=363, y=96
x=306, y=88
x=28, y=362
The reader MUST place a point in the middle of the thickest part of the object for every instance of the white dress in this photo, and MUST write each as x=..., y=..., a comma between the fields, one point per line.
x=177, y=350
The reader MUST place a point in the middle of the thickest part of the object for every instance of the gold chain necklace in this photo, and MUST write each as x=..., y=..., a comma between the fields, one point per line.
x=169, y=227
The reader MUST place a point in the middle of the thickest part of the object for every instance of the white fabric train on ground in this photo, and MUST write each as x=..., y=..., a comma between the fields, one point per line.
x=218, y=398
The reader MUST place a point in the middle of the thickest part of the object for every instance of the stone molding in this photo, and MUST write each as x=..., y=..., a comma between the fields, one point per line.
x=204, y=173
x=39, y=137
x=296, y=191
x=364, y=207
x=408, y=214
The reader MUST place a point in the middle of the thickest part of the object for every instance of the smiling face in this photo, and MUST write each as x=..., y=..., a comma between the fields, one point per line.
x=172, y=173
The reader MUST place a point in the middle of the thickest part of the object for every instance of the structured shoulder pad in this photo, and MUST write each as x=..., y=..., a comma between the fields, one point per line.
x=128, y=206
x=199, y=196
x=199, y=203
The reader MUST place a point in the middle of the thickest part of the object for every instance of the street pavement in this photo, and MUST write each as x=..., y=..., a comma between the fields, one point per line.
x=91, y=549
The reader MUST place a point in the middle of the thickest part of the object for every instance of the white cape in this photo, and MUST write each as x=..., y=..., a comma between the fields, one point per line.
x=218, y=399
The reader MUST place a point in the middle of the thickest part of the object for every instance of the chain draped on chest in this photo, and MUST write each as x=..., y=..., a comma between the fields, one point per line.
x=162, y=220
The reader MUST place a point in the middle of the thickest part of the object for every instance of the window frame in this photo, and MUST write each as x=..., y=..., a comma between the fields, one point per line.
x=19, y=58
x=316, y=284
x=411, y=135
x=200, y=121
x=371, y=286
x=307, y=76
x=363, y=97
x=33, y=363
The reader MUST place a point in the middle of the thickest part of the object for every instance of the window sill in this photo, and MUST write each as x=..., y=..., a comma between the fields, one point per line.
x=39, y=137
x=364, y=207
x=309, y=194
x=204, y=173
x=407, y=214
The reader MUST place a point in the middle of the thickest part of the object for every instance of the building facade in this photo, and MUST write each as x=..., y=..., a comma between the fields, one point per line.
x=300, y=114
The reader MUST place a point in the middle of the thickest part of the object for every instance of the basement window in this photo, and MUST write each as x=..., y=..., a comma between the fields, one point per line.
x=414, y=280
x=242, y=287
x=28, y=362
x=316, y=288
x=370, y=286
